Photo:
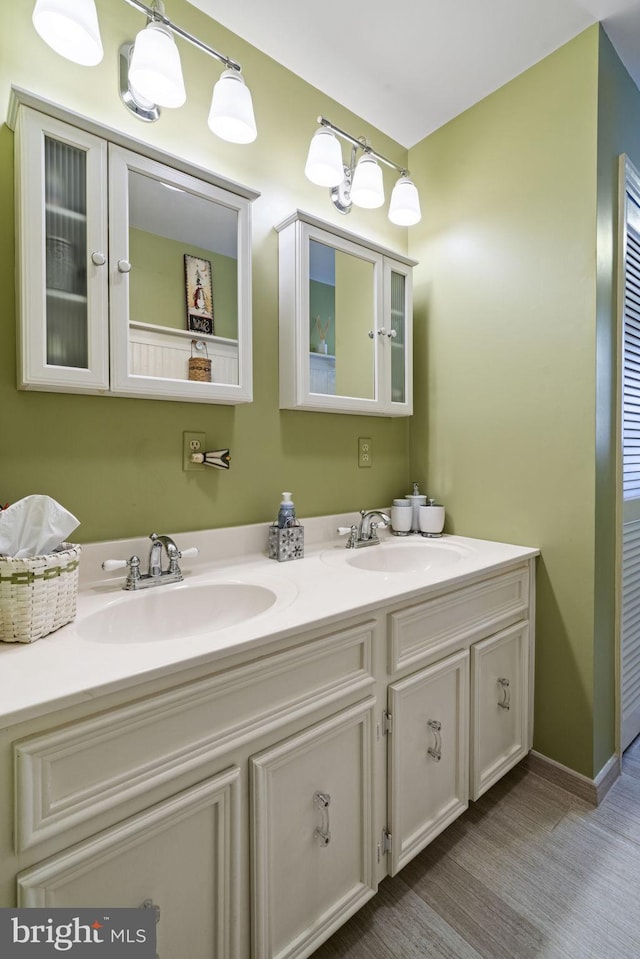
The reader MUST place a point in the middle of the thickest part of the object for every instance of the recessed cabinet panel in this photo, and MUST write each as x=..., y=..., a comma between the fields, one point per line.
x=500, y=702
x=345, y=322
x=135, y=275
x=179, y=857
x=428, y=774
x=312, y=803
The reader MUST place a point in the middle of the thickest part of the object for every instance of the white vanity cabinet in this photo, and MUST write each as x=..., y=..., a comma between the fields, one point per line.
x=428, y=755
x=457, y=725
x=346, y=321
x=500, y=705
x=256, y=802
x=152, y=800
x=313, y=833
x=130, y=264
x=179, y=857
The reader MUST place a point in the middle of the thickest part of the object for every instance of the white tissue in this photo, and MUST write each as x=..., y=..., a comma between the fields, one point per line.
x=34, y=526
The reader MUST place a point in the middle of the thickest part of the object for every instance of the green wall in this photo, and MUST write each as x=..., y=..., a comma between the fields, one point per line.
x=505, y=335
x=117, y=463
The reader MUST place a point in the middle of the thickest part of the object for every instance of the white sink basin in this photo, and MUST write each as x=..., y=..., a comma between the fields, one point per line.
x=175, y=612
x=418, y=558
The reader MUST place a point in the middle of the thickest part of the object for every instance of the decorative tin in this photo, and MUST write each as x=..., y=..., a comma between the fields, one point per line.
x=286, y=544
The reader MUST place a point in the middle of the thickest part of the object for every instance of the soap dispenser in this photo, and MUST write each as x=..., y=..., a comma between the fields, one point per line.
x=417, y=499
x=287, y=512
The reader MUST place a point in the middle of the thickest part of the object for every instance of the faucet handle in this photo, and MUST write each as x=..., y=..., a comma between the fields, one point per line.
x=351, y=532
x=191, y=551
x=134, y=569
x=110, y=564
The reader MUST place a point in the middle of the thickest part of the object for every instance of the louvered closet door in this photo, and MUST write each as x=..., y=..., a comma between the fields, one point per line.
x=630, y=624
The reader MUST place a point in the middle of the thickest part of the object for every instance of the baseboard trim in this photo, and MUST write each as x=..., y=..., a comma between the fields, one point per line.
x=591, y=790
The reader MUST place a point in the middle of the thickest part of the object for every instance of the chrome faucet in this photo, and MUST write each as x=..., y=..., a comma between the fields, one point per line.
x=156, y=575
x=366, y=532
x=158, y=543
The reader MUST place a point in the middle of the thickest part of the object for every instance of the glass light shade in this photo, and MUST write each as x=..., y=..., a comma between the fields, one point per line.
x=404, y=209
x=324, y=165
x=231, y=114
x=367, y=189
x=155, y=71
x=70, y=27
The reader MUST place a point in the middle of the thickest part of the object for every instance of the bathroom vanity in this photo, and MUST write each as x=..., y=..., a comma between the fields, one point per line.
x=254, y=782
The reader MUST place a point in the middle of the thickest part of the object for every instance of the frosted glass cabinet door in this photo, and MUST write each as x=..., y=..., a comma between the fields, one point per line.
x=312, y=799
x=428, y=755
x=62, y=253
x=397, y=338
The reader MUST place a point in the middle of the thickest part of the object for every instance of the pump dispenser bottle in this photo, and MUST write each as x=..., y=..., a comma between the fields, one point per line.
x=287, y=512
x=417, y=499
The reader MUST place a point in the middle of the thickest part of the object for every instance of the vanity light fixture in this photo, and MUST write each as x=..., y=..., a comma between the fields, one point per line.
x=360, y=182
x=150, y=69
x=70, y=27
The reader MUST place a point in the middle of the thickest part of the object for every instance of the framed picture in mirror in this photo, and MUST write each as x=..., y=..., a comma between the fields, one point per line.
x=199, y=294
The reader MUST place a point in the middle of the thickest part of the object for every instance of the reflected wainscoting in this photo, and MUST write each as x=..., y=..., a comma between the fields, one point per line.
x=165, y=353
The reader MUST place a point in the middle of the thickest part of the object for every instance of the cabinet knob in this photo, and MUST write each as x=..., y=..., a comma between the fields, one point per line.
x=124, y=266
x=98, y=259
x=435, y=751
x=505, y=702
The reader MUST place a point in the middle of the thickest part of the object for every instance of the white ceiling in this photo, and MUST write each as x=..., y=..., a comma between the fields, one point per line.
x=409, y=69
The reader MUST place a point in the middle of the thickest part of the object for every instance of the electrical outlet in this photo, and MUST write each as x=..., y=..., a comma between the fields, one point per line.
x=192, y=443
x=365, y=452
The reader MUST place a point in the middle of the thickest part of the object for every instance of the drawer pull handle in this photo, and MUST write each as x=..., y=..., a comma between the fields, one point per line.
x=322, y=833
x=505, y=702
x=435, y=751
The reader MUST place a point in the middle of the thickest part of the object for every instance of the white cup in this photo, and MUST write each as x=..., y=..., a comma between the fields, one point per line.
x=402, y=518
x=431, y=520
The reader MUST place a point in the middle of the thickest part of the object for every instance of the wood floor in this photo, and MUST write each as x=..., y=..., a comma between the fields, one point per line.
x=528, y=872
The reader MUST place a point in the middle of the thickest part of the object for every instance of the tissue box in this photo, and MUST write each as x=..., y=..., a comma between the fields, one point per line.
x=38, y=594
x=285, y=544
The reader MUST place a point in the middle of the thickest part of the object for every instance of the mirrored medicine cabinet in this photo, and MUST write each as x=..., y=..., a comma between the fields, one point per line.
x=134, y=266
x=345, y=321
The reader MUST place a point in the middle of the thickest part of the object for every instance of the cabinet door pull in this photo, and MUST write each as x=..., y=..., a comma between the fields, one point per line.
x=505, y=702
x=435, y=751
x=150, y=904
x=124, y=266
x=98, y=259
x=322, y=832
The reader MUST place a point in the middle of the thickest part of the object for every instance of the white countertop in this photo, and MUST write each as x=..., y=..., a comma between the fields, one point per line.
x=66, y=667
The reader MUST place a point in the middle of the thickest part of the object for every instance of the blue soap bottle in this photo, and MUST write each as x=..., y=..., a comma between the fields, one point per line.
x=287, y=512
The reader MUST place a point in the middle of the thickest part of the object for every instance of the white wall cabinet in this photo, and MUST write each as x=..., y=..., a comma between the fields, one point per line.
x=268, y=795
x=346, y=321
x=107, y=299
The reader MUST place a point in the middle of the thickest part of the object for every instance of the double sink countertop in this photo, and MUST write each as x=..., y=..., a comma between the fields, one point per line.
x=113, y=644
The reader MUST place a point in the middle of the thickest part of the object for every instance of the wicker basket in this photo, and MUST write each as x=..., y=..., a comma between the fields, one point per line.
x=199, y=365
x=38, y=595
